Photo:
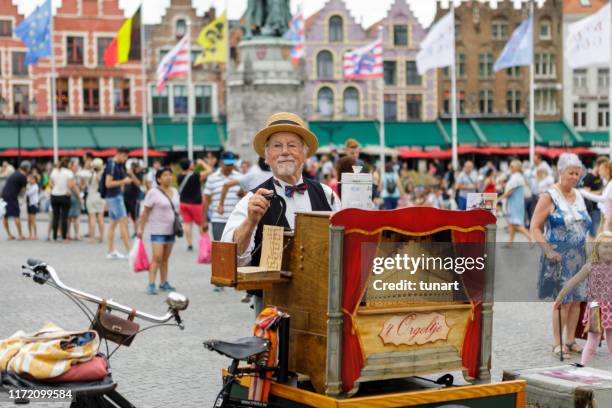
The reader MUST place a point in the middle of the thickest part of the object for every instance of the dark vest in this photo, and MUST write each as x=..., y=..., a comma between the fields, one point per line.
x=276, y=213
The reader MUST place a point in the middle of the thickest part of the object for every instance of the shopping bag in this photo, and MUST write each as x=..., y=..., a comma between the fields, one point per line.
x=2, y=208
x=205, y=253
x=133, y=254
x=142, y=259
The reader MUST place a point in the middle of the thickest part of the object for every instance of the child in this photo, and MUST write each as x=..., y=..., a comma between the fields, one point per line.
x=599, y=274
x=32, y=198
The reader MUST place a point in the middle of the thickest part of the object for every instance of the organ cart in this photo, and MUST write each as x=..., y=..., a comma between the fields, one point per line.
x=353, y=345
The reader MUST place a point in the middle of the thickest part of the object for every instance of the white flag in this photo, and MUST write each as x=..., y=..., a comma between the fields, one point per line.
x=438, y=48
x=588, y=40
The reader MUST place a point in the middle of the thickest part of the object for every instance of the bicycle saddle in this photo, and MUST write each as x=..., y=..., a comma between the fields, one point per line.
x=240, y=349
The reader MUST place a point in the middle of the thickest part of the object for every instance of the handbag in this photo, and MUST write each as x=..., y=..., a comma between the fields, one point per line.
x=178, y=225
x=114, y=328
x=594, y=323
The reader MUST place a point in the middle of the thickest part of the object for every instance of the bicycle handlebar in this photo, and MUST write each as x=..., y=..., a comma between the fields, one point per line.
x=37, y=266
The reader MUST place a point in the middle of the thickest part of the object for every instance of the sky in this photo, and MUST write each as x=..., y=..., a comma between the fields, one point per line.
x=362, y=10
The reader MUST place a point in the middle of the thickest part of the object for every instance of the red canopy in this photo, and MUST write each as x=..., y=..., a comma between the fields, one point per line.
x=150, y=152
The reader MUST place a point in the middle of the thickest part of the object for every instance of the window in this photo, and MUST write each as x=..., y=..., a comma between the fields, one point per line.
x=19, y=66
x=336, y=33
x=545, y=65
x=545, y=30
x=325, y=65
x=74, y=50
x=513, y=101
x=400, y=35
x=390, y=107
x=180, y=29
x=21, y=99
x=62, y=100
x=499, y=29
x=103, y=43
x=457, y=29
x=91, y=95
x=6, y=28
x=459, y=66
x=545, y=102
x=603, y=115
x=325, y=102
x=603, y=80
x=179, y=93
x=580, y=79
x=513, y=72
x=486, y=101
x=485, y=65
x=121, y=94
x=413, y=107
x=159, y=101
x=203, y=100
x=460, y=101
x=580, y=115
x=412, y=75
x=351, y=102
x=389, y=69
x=162, y=54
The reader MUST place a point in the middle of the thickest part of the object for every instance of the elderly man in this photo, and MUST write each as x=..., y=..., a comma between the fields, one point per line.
x=285, y=143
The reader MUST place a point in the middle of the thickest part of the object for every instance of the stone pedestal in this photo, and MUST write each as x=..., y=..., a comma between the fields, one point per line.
x=264, y=82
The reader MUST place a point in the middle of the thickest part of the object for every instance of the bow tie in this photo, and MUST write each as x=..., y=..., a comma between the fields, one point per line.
x=290, y=190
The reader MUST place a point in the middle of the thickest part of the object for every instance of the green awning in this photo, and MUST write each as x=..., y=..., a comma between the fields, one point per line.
x=116, y=134
x=336, y=133
x=466, y=135
x=69, y=136
x=11, y=133
x=555, y=133
x=596, y=139
x=409, y=134
x=173, y=136
x=504, y=132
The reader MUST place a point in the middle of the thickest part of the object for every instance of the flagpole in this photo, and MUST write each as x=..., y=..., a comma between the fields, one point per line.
x=381, y=111
x=455, y=156
x=189, y=97
x=54, y=91
x=531, y=94
x=227, y=64
x=143, y=74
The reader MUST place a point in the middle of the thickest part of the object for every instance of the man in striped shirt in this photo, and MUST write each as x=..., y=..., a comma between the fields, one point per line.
x=212, y=195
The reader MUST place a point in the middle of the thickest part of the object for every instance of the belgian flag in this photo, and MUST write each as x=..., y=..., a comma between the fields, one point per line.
x=126, y=44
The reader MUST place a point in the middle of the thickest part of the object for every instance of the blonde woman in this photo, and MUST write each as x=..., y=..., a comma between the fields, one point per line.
x=515, y=193
x=95, y=203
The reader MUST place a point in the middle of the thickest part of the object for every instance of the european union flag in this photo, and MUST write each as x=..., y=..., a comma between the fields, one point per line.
x=35, y=32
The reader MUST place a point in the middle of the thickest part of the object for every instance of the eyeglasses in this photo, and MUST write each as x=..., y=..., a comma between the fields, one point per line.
x=280, y=147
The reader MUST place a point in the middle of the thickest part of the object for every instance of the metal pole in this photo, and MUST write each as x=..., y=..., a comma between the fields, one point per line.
x=382, y=117
x=189, y=98
x=531, y=94
x=455, y=156
x=610, y=88
x=228, y=66
x=143, y=74
x=54, y=92
x=19, y=133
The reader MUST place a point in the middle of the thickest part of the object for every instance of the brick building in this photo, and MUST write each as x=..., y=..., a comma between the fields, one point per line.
x=331, y=32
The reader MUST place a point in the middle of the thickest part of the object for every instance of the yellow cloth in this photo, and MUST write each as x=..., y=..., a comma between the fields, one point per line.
x=124, y=41
x=41, y=354
x=213, y=39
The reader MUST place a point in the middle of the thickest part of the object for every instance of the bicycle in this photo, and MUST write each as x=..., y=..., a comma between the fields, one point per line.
x=99, y=393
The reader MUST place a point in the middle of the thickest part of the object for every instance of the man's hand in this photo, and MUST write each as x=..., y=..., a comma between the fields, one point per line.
x=258, y=205
x=220, y=208
x=127, y=180
x=204, y=227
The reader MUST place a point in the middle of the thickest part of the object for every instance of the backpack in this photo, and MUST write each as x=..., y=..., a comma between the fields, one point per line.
x=391, y=185
x=102, y=190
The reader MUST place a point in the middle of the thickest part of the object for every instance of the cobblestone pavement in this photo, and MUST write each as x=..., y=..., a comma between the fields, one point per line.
x=166, y=367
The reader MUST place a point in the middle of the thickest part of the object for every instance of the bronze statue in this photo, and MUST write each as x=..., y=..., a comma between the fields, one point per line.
x=268, y=18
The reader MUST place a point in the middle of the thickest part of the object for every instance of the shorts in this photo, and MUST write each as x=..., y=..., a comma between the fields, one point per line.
x=32, y=209
x=132, y=207
x=162, y=239
x=12, y=208
x=191, y=213
x=116, y=208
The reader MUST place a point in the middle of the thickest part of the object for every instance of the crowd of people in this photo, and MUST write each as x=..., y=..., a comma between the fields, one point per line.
x=560, y=207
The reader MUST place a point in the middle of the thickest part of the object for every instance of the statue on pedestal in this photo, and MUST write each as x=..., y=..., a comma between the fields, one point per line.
x=269, y=18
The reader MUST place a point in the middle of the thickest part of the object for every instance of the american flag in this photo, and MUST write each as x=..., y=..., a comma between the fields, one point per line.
x=296, y=36
x=365, y=62
x=174, y=64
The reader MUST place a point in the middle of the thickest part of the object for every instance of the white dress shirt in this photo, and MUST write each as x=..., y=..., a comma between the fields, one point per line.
x=297, y=203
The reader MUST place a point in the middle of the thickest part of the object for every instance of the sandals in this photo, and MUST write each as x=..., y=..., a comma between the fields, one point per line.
x=558, y=349
x=574, y=347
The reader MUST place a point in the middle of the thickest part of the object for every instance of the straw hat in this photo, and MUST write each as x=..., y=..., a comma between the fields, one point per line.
x=285, y=122
x=97, y=163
